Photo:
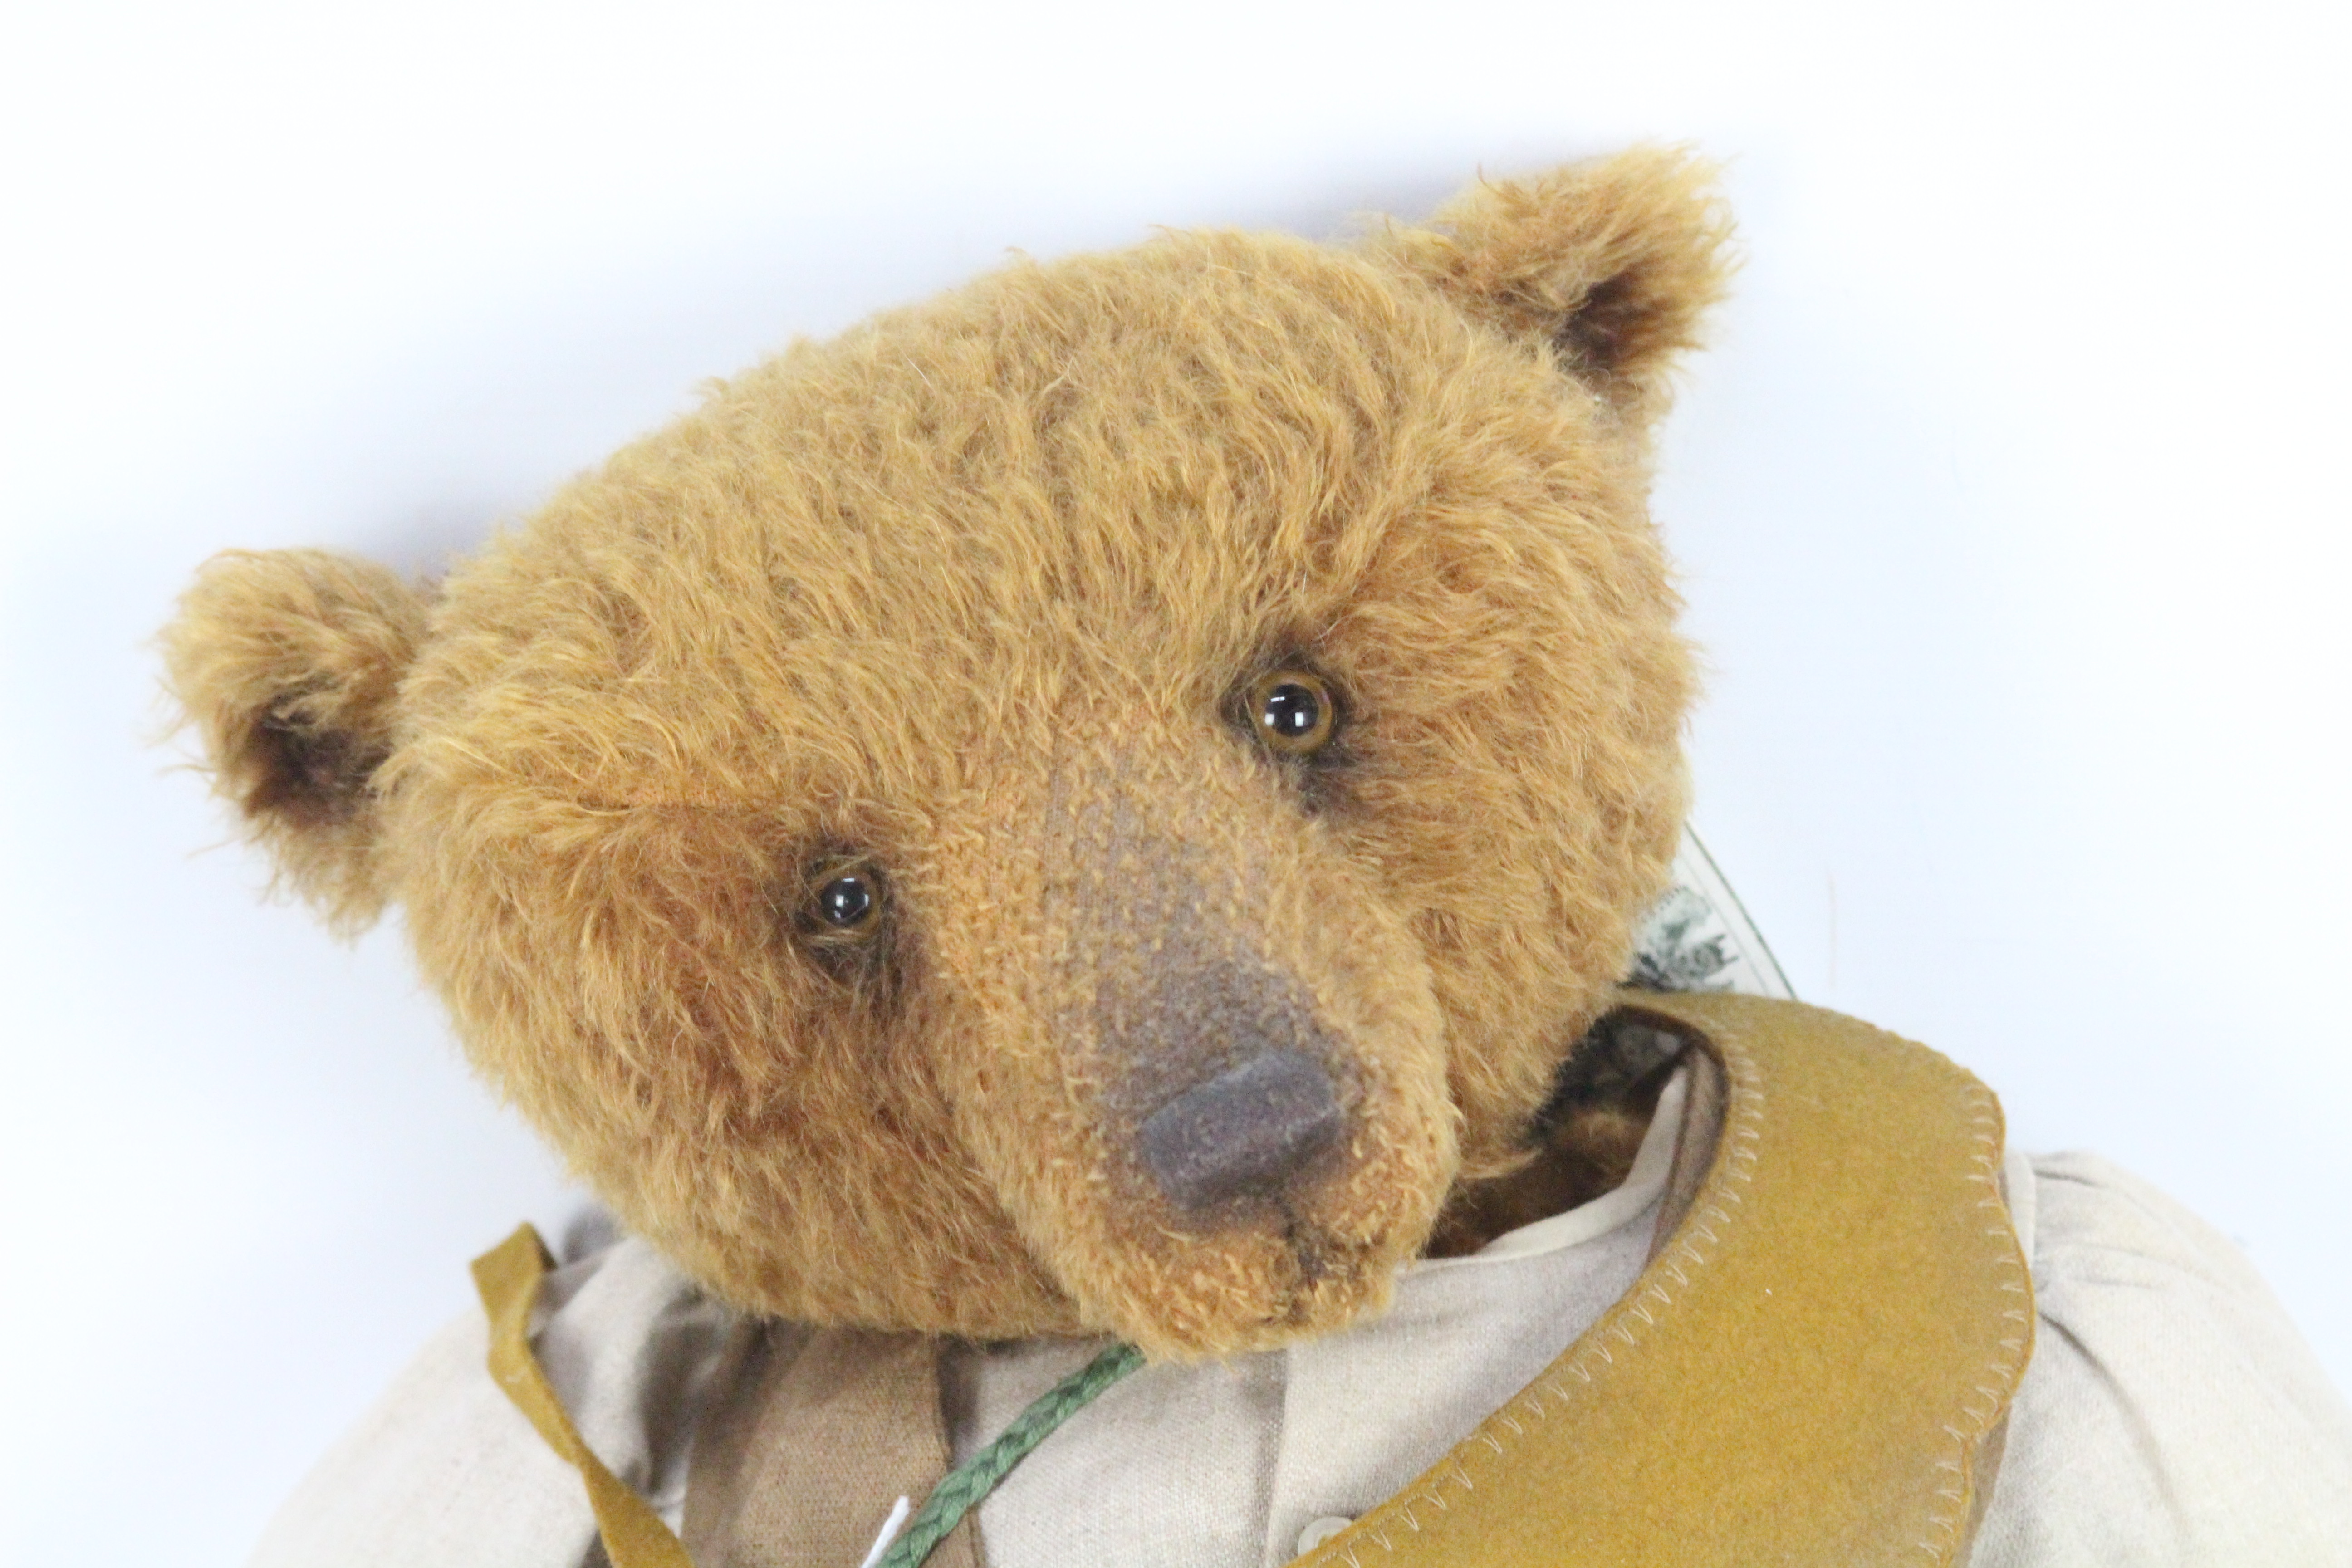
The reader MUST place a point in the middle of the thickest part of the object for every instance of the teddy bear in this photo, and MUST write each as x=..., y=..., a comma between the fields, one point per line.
x=1064, y=863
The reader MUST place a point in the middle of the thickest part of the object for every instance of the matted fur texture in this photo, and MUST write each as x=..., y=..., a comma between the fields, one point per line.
x=961, y=601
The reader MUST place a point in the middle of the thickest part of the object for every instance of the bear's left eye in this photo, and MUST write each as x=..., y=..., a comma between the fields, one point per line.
x=1292, y=712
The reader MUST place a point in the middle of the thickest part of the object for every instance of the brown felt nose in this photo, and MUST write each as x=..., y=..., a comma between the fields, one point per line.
x=1246, y=1130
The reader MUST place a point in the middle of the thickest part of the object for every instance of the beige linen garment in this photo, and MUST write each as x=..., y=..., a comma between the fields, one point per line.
x=1227, y=1465
x=2170, y=1415
x=446, y=1471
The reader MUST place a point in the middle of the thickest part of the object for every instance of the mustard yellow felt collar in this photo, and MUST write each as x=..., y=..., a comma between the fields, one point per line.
x=1813, y=1364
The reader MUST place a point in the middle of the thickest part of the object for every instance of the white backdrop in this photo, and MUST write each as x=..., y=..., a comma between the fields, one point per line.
x=2010, y=504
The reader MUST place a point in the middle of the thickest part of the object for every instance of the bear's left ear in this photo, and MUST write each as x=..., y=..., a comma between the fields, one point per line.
x=1611, y=262
x=286, y=664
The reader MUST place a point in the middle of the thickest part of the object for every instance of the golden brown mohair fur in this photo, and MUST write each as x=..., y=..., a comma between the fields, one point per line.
x=284, y=662
x=963, y=600
x=1571, y=257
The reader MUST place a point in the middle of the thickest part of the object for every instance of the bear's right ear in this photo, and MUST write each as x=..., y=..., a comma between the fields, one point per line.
x=286, y=663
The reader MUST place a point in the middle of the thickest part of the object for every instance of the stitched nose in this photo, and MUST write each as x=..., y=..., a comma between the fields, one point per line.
x=1246, y=1130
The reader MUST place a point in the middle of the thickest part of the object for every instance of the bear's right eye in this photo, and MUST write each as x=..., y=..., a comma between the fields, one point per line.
x=842, y=902
x=848, y=904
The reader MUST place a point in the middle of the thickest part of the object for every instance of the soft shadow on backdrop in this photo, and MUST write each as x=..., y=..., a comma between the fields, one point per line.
x=2009, y=503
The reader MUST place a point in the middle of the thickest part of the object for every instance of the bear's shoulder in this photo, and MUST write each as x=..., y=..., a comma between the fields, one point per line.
x=2171, y=1411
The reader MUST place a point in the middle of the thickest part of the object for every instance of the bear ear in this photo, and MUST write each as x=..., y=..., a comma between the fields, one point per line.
x=286, y=663
x=1612, y=263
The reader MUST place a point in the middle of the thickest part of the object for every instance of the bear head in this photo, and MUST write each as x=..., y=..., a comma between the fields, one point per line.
x=1093, y=804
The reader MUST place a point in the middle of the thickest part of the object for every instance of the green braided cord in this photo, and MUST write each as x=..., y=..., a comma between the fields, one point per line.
x=963, y=1487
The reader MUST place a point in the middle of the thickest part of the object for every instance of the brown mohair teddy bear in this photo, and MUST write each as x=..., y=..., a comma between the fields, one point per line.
x=1116, y=803
x=1094, y=804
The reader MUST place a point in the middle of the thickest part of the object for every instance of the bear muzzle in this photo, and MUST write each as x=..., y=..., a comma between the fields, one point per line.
x=1204, y=1070
x=1244, y=1133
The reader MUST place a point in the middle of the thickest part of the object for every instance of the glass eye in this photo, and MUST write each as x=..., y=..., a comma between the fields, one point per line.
x=847, y=902
x=1292, y=712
